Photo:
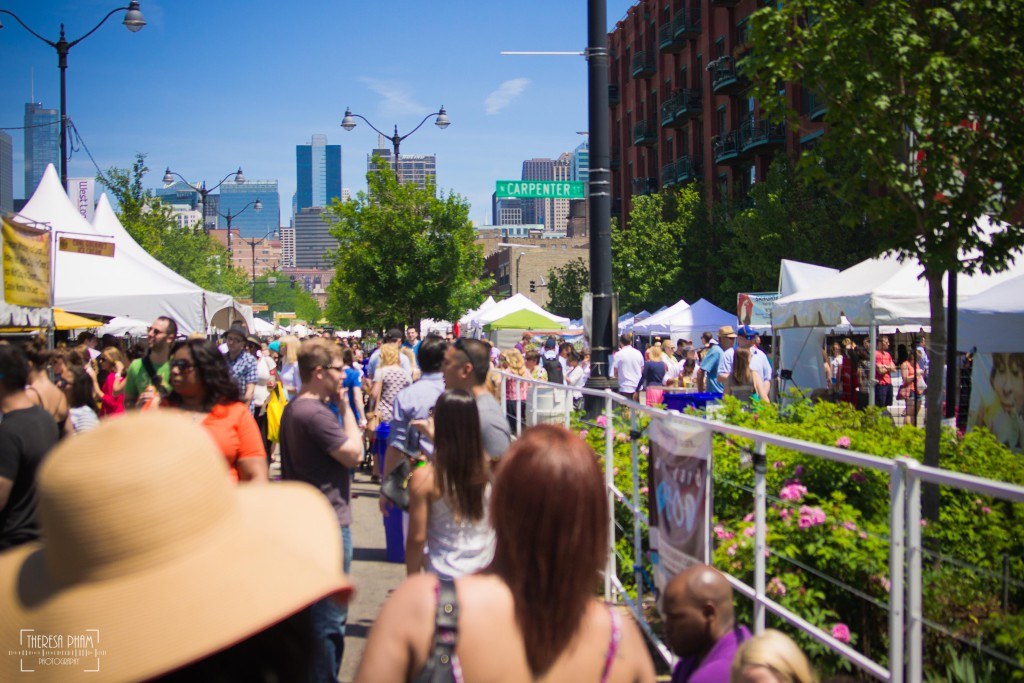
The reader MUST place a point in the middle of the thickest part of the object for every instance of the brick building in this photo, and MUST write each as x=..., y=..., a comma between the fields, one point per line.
x=514, y=266
x=680, y=111
x=244, y=250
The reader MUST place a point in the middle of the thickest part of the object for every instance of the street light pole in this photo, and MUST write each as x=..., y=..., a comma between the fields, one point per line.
x=521, y=255
x=201, y=189
x=442, y=122
x=252, y=242
x=133, y=21
x=256, y=205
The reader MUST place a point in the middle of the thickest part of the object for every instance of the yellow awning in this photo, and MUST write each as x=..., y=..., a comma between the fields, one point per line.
x=70, y=321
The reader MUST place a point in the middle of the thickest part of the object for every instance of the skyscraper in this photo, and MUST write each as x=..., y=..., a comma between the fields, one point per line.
x=312, y=239
x=42, y=143
x=6, y=172
x=251, y=223
x=536, y=169
x=317, y=173
x=412, y=168
x=581, y=162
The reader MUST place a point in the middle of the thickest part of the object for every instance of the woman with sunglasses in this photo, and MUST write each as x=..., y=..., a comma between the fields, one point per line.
x=201, y=385
x=41, y=390
x=79, y=389
x=113, y=368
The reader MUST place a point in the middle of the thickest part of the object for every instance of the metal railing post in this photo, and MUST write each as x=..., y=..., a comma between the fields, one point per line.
x=913, y=555
x=760, y=527
x=638, y=550
x=504, y=395
x=897, y=551
x=609, y=480
x=568, y=404
x=533, y=401
x=519, y=407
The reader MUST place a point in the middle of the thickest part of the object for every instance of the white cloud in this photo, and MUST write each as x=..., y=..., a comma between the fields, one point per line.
x=397, y=99
x=505, y=94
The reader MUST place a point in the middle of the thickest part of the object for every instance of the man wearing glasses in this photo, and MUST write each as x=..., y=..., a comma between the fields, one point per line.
x=317, y=450
x=149, y=377
x=465, y=366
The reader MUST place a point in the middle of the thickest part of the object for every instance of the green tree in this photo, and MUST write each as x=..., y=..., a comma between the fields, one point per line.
x=403, y=254
x=188, y=251
x=283, y=296
x=924, y=101
x=566, y=286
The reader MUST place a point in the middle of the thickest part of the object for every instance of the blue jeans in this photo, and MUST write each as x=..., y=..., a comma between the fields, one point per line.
x=329, y=621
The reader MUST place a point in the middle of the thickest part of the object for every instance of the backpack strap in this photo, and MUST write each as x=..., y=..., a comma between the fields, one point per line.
x=446, y=623
x=154, y=377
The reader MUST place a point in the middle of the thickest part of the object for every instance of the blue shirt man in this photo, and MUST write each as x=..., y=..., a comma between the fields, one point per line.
x=708, y=377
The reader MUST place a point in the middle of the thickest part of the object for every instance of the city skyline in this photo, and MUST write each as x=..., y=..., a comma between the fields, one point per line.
x=506, y=106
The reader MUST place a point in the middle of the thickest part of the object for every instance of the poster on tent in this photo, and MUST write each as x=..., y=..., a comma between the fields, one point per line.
x=997, y=397
x=755, y=308
x=680, y=513
x=26, y=259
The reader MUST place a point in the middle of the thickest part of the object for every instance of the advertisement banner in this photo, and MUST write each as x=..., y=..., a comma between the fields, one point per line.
x=997, y=397
x=681, y=507
x=755, y=308
x=26, y=258
x=81, y=192
x=76, y=245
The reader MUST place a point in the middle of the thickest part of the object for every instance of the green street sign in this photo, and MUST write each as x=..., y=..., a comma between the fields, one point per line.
x=540, y=189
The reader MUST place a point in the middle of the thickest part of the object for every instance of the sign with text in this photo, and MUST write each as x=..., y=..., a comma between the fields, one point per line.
x=257, y=308
x=680, y=508
x=81, y=192
x=540, y=189
x=755, y=308
x=26, y=259
x=76, y=245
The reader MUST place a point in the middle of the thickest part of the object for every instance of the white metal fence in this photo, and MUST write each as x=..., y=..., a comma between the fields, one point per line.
x=552, y=403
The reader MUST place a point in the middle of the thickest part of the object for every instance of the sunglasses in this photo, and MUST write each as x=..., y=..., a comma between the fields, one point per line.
x=182, y=365
x=459, y=346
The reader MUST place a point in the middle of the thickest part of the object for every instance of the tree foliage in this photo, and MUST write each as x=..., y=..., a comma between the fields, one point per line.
x=188, y=251
x=566, y=286
x=283, y=296
x=924, y=100
x=403, y=254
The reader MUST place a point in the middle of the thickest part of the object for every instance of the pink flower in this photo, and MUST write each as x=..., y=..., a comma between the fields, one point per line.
x=720, y=531
x=645, y=450
x=778, y=464
x=644, y=490
x=795, y=491
x=602, y=421
x=841, y=632
x=986, y=509
x=776, y=587
x=749, y=517
x=843, y=442
x=749, y=531
x=784, y=513
x=583, y=434
x=621, y=437
x=863, y=536
x=615, y=471
x=798, y=470
x=858, y=477
x=811, y=516
x=731, y=550
x=924, y=522
x=849, y=526
x=883, y=582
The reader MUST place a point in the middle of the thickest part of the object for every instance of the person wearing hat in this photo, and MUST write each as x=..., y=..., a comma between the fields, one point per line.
x=165, y=569
x=708, y=375
x=241, y=364
x=759, y=362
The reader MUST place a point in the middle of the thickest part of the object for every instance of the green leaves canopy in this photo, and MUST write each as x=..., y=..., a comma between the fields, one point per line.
x=566, y=286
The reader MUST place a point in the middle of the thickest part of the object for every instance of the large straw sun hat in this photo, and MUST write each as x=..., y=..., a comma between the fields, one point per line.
x=152, y=560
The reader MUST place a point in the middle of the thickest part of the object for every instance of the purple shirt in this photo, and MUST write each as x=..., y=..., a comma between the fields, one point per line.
x=715, y=666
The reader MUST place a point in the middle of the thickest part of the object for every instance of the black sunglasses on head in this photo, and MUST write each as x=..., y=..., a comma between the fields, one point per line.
x=462, y=347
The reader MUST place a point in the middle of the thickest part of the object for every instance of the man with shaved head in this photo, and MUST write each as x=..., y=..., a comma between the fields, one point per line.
x=699, y=625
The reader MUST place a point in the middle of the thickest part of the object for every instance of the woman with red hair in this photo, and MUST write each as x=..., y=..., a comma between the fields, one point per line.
x=532, y=613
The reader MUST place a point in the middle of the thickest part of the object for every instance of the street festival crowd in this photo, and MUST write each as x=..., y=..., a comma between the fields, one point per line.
x=135, y=497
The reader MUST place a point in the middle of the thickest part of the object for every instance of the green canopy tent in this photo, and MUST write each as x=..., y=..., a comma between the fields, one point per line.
x=507, y=330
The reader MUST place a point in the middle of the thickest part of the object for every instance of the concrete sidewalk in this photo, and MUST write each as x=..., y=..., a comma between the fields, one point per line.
x=373, y=575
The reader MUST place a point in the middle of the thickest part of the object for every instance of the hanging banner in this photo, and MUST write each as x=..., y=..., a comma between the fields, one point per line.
x=81, y=192
x=681, y=507
x=997, y=397
x=26, y=258
x=755, y=308
x=75, y=245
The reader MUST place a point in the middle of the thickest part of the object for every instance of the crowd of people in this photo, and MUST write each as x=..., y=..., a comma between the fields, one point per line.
x=135, y=497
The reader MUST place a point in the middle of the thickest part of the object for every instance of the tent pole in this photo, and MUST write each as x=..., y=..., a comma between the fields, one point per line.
x=873, y=333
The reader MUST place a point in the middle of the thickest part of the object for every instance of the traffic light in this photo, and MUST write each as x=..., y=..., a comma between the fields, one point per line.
x=533, y=286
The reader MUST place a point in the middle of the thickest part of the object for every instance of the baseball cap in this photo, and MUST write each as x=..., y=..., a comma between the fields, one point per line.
x=746, y=331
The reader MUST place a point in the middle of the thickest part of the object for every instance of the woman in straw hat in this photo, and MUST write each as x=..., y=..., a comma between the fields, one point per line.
x=163, y=566
x=532, y=613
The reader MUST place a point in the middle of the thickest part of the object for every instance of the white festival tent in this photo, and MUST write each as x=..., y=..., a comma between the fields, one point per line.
x=262, y=328
x=518, y=302
x=122, y=326
x=686, y=321
x=799, y=350
x=124, y=285
x=472, y=315
x=993, y=321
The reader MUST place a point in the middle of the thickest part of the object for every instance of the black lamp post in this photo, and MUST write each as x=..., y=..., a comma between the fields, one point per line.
x=442, y=122
x=255, y=205
x=133, y=21
x=252, y=242
x=201, y=188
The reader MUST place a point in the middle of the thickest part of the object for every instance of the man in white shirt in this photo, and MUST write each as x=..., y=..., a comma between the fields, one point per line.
x=628, y=367
x=759, y=362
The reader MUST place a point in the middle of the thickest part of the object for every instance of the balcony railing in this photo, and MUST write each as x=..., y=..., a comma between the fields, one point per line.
x=643, y=186
x=645, y=133
x=682, y=105
x=687, y=169
x=816, y=106
x=668, y=175
x=725, y=77
x=613, y=94
x=643, y=65
x=756, y=134
x=726, y=147
x=667, y=40
x=686, y=25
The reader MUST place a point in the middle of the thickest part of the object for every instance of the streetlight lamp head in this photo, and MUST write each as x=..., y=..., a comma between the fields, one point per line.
x=239, y=176
x=442, y=121
x=133, y=20
x=349, y=122
x=258, y=206
x=168, y=178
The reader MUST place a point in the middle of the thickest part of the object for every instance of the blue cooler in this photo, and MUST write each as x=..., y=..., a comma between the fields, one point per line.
x=678, y=400
x=394, y=539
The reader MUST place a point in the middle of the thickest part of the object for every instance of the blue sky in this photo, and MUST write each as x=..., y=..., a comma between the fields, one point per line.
x=206, y=87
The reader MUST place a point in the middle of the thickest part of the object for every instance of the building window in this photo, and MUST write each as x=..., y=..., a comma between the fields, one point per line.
x=721, y=119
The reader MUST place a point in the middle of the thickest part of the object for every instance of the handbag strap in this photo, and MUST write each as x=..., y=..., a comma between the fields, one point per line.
x=446, y=631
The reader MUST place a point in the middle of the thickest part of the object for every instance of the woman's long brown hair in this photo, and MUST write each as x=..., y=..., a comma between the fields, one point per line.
x=460, y=466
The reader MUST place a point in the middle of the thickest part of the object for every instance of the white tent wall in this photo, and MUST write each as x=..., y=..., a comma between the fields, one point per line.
x=993, y=321
x=800, y=349
x=686, y=321
x=474, y=323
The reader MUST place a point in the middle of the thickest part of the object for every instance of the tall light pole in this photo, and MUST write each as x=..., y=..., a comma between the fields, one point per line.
x=252, y=242
x=201, y=188
x=521, y=255
x=257, y=206
x=133, y=21
x=442, y=122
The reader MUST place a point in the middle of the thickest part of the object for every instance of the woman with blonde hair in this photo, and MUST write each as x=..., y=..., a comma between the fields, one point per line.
x=112, y=392
x=771, y=657
x=389, y=379
x=742, y=382
x=653, y=378
x=288, y=373
x=513, y=363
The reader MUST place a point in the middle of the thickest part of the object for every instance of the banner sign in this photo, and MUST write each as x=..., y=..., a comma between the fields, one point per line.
x=76, y=245
x=540, y=189
x=997, y=397
x=681, y=505
x=81, y=192
x=26, y=258
x=755, y=308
